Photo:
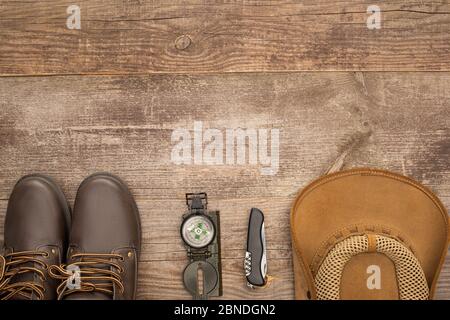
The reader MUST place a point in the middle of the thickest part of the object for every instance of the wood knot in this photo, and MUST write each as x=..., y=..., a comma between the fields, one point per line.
x=183, y=42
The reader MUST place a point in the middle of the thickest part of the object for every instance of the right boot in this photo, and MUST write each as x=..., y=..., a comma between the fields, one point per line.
x=104, y=245
x=35, y=237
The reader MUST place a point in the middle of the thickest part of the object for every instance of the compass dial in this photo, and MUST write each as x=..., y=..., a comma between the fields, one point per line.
x=198, y=231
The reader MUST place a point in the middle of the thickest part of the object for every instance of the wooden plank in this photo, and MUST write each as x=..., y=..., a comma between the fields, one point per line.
x=195, y=36
x=71, y=126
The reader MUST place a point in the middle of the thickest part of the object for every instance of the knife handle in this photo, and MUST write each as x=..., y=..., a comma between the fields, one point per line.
x=255, y=264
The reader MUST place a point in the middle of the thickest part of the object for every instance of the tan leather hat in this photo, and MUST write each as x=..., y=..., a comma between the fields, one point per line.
x=367, y=234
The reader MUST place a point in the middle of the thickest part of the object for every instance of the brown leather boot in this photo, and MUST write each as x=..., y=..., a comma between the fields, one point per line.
x=104, y=242
x=36, y=230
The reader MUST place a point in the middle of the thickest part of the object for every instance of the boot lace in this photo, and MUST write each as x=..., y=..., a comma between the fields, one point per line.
x=19, y=263
x=92, y=272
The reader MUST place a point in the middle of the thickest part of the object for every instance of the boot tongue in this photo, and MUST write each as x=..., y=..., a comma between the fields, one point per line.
x=88, y=296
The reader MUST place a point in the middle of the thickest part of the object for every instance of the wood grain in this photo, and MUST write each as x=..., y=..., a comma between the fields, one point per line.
x=193, y=36
x=71, y=126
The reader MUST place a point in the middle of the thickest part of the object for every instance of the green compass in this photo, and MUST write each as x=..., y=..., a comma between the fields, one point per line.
x=198, y=231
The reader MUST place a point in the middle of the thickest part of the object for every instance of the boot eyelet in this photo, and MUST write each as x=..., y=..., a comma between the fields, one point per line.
x=130, y=254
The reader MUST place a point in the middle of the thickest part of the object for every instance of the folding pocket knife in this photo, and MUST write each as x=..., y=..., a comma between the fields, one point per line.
x=255, y=264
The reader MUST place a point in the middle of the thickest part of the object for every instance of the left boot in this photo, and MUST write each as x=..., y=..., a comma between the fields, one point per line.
x=36, y=232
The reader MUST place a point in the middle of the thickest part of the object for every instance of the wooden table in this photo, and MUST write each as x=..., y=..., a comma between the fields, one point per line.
x=108, y=97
